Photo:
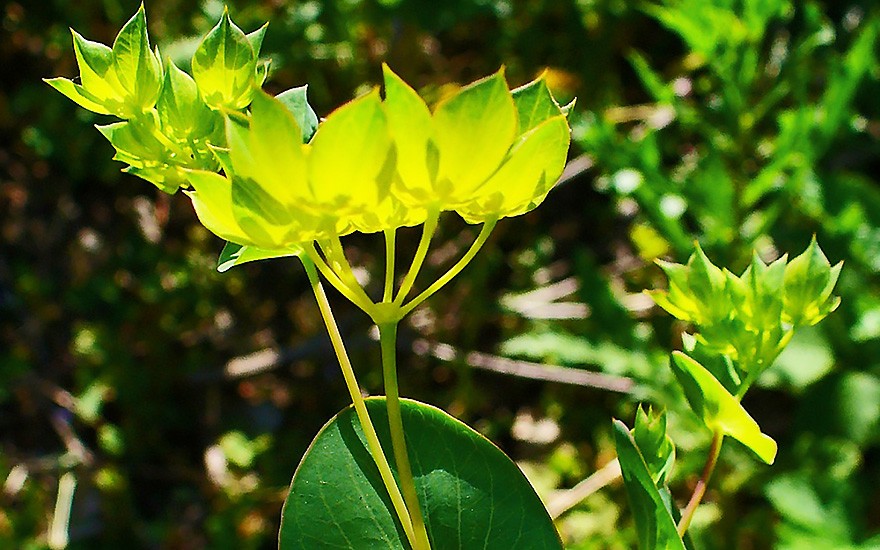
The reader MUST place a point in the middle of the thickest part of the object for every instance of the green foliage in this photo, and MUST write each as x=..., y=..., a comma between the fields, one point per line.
x=171, y=122
x=750, y=318
x=756, y=126
x=470, y=492
x=742, y=325
x=654, y=522
x=718, y=410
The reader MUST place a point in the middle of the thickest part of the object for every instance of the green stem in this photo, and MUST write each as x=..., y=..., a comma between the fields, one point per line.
x=488, y=226
x=360, y=406
x=427, y=232
x=315, y=258
x=702, y=483
x=387, y=342
x=390, y=238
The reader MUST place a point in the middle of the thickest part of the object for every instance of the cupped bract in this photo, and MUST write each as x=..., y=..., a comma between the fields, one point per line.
x=485, y=152
x=279, y=193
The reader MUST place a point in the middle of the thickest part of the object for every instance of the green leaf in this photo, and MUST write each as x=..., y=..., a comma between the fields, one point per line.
x=654, y=524
x=298, y=104
x=471, y=494
x=534, y=104
x=236, y=254
x=718, y=409
x=224, y=66
x=473, y=131
x=180, y=108
x=135, y=66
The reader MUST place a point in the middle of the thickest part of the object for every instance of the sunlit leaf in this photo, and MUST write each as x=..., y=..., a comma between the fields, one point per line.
x=269, y=151
x=78, y=95
x=212, y=199
x=409, y=121
x=718, y=409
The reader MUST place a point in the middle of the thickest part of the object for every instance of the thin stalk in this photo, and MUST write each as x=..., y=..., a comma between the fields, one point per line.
x=360, y=406
x=390, y=238
x=702, y=483
x=488, y=226
x=334, y=253
x=410, y=278
x=388, y=341
x=315, y=259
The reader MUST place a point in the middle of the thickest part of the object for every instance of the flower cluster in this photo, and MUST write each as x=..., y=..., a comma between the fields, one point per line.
x=750, y=318
x=263, y=173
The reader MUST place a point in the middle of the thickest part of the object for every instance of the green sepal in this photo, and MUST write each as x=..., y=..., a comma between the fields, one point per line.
x=706, y=283
x=809, y=281
x=135, y=66
x=718, y=409
x=168, y=178
x=296, y=101
x=677, y=300
x=655, y=525
x=224, y=66
x=236, y=254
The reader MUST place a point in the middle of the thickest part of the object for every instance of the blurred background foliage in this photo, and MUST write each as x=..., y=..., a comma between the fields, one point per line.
x=170, y=404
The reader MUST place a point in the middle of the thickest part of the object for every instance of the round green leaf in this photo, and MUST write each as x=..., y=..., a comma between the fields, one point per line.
x=471, y=494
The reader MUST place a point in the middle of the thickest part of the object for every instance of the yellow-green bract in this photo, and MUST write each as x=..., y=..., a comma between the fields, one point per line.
x=485, y=152
x=261, y=171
